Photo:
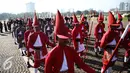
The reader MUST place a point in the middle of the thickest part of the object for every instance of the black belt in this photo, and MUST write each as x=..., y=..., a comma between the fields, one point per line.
x=37, y=48
x=100, y=33
x=111, y=46
x=66, y=71
x=77, y=40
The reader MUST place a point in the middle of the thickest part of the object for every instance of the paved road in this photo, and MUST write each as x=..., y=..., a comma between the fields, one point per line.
x=11, y=60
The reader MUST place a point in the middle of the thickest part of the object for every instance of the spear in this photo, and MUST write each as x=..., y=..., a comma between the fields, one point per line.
x=122, y=37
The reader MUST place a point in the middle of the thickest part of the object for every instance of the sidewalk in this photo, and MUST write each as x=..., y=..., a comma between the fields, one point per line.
x=11, y=60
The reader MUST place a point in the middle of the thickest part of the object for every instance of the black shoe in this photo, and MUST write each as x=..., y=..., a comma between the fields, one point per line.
x=28, y=65
x=96, y=54
x=128, y=65
x=23, y=54
x=101, y=52
x=15, y=43
x=125, y=65
x=77, y=66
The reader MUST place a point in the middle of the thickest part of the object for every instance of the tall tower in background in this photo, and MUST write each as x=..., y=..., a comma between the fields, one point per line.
x=122, y=6
x=30, y=7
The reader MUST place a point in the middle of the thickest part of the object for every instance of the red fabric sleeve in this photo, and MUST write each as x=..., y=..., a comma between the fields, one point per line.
x=81, y=64
x=30, y=42
x=49, y=63
x=103, y=41
x=74, y=38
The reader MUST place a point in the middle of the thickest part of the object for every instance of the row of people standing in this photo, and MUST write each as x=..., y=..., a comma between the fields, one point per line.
x=5, y=26
x=35, y=41
x=106, y=41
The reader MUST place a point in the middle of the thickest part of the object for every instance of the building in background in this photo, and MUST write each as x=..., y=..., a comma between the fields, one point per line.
x=122, y=6
x=128, y=6
x=30, y=7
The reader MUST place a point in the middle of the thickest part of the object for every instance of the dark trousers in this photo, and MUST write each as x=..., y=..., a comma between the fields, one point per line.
x=5, y=28
x=1, y=29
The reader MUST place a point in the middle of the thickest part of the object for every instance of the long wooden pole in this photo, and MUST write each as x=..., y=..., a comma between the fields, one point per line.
x=122, y=37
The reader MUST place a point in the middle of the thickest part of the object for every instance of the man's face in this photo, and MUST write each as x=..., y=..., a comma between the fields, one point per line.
x=76, y=25
x=29, y=28
x=100, y=22
x=63, y=42
x=36, y=28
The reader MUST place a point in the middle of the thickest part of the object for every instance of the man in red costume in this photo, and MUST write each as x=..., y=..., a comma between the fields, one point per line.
x=62, y=57
x=108, y=43
x=126, y=45
x=26, y=34
x=37, y=41
x=77, y=37
x=98, y=33
x=119, y=21
x=85, y=29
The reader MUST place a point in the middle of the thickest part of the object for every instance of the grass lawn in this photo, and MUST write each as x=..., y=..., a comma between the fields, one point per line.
x=124, y=19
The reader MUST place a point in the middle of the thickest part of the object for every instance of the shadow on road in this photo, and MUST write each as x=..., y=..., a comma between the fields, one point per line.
x=2, y=34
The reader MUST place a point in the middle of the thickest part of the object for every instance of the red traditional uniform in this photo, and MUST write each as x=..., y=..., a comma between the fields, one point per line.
x=37, y=41
x=26, y=34
x=119, y=21
x=108, y=42
x=126, y=45
x=98, y=33
x=77, y=36
x=61, y=58
x=83, y=27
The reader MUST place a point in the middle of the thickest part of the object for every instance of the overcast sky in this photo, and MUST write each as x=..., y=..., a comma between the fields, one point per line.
x=18, y=6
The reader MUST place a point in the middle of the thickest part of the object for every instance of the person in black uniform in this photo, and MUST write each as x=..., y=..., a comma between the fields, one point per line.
x=1, y=27
x=5, y=26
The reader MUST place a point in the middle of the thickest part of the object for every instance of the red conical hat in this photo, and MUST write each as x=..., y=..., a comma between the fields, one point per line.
x=60, y=29
x=29, y=23
x=100, y=17
x=112, y=20
x=119, y=16
x=82, y=18
x=75, y=20
x=35, y=20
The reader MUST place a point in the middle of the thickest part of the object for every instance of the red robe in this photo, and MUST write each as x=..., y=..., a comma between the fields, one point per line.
x=54, y=60
x=83, y=29
x=26, y=34
x=96, y=31
x=121, y=28
x=98, y=35
x=108, y=37
x=103, y=25
x=44, y=41
x=83, y=26
x=75, y=33
x=126, y=43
